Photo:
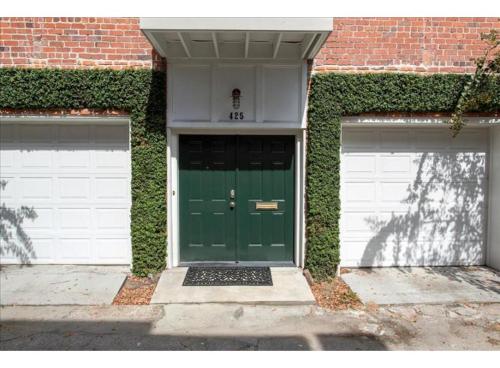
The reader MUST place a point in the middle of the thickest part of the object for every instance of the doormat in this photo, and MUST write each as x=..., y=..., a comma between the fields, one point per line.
x=228, y=276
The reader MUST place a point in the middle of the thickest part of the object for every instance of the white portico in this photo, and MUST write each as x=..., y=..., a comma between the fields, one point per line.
x=236, y=76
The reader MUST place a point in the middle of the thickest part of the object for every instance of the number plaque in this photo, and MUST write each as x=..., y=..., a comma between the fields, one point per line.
x=236, y=115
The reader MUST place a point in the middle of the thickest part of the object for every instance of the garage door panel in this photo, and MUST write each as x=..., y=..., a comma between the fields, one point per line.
x=74, y=188
x=447, y=195
x=450, y=166
x=43, y=219
x=35, y=188
x=113, y=249
x=383, y=252
x=359, y=192
x=43, y=247
x=111, y=157
x=115, y=188
x=394, y=191
x=70, y=157
x=9, y=187
x=358, y=165
x=409, y=227
x=75, y=218
x=36, y=156
x=426, y=206
x=364, y=225
x=112, y=219
x=357, y=254
x=358, y=223
x=75, y=250
x=432, y=221
x=395, y=164
x=78, y=185
x=468, y=166
x=8, y=157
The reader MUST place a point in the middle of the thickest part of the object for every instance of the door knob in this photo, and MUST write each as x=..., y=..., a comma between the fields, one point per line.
x=232, y=204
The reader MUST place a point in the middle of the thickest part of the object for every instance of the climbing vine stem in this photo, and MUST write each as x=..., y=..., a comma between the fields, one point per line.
x=476, y=90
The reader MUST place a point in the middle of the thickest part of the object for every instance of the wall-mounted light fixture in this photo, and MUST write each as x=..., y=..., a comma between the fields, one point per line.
x=236, y=98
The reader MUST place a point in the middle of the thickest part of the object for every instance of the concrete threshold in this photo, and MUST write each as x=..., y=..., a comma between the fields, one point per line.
x=289, y=288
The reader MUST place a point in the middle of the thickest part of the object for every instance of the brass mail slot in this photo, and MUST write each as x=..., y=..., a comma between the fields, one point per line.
x=266, y=205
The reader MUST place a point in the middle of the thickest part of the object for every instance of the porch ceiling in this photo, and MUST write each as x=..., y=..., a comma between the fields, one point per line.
x=237, y=38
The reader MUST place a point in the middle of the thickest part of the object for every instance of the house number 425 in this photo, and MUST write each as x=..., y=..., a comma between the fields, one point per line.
x=236, y=115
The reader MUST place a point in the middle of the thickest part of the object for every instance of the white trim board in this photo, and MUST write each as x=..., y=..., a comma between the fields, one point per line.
x=220, y=128
x=377, y=120
x=301, y=24
x=61, y=119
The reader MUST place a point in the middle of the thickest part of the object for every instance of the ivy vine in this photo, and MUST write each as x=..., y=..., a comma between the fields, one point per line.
x=477, y=90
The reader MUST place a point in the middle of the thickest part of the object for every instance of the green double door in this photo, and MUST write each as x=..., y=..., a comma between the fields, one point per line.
x=236, y=197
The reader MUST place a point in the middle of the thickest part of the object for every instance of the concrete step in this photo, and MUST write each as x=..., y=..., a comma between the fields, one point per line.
x=289, y=288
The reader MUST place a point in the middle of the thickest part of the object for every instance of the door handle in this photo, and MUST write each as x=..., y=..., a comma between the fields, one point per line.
x=232, y=194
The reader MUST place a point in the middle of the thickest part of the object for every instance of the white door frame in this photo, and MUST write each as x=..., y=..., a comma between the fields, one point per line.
x=259, y=126
x=173, y=226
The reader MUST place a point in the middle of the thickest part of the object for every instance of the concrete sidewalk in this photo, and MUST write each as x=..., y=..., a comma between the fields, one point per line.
x=289, y=288
x=431, y=285
x=246, y=327
x=60, y=284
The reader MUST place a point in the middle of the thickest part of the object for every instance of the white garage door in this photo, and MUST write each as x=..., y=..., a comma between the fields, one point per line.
x=413, y=196
x=66, y=193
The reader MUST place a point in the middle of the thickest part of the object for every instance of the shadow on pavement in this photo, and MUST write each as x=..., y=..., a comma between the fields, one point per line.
x=120, y=335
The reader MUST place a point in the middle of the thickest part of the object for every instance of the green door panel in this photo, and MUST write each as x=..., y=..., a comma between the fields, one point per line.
x=206, y=175
x=258, y=169
x=265, y=174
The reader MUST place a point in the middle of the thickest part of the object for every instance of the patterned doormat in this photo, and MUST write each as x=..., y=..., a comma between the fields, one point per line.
x=228, y=276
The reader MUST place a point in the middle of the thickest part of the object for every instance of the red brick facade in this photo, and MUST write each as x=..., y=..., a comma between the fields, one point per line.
x=427, y=45
x=75, y=43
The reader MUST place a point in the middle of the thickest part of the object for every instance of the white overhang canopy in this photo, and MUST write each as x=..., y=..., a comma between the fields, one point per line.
x=237, y=38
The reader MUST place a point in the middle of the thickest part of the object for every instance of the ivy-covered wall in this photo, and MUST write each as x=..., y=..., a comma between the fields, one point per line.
x=142, y=94
x=335, y=95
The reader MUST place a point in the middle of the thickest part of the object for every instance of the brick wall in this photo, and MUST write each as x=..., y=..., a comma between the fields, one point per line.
x=75, y=43
x=426, y=45
x=429, y=45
